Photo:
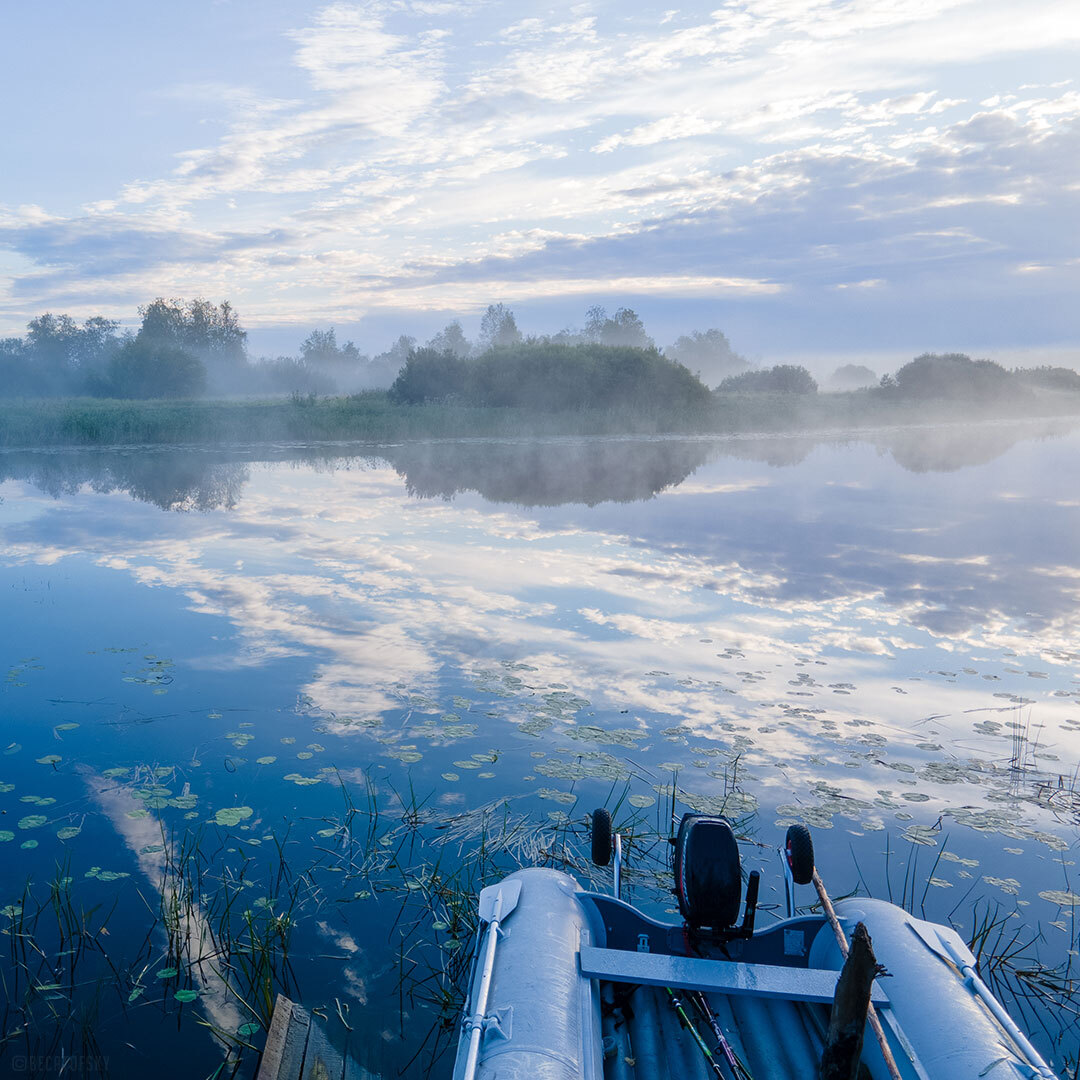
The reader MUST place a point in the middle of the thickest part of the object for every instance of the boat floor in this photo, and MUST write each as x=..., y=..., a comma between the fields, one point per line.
x=775, y=1039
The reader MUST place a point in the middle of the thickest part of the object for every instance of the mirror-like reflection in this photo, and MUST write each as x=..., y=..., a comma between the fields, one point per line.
x=874, y=634
x=526, y=473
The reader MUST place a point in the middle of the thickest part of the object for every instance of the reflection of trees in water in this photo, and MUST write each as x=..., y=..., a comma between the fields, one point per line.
x=543, y=472
x=549, y=473
x=947, y=449
x=181, y=480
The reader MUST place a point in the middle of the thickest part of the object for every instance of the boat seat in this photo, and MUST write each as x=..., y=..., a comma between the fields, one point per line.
x=715, y=976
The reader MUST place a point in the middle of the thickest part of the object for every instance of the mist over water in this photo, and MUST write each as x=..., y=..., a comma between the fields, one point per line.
x=875, y=635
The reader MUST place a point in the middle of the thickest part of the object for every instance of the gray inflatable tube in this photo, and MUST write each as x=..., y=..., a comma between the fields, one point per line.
x=543, y=1022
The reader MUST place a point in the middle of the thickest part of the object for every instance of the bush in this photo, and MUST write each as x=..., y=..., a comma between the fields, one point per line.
x=852, y=377
x=782, y=379
x=430, y=375
x=145, y=369
x=1052, y=378
x=949, y=375
x=551, y=377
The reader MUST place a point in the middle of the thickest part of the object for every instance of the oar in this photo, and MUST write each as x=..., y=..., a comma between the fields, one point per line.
x=496, y=903
x=841, y=940
x=677, y=1005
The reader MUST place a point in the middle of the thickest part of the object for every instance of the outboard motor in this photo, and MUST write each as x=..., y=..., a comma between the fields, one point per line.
x=708, y=878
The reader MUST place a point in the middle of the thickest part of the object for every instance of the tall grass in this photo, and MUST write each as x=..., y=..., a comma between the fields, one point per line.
x=373, y=417
x=225, y=926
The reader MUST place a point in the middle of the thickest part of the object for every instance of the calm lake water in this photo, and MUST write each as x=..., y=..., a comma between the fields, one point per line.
x=210, y=656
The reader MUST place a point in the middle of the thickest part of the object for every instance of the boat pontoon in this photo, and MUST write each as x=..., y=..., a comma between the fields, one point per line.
x=568, y=983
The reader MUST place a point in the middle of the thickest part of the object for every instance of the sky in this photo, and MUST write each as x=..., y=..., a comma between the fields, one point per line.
x=817, y=178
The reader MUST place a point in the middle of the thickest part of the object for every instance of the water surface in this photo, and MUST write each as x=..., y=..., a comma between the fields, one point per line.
x=874, y=635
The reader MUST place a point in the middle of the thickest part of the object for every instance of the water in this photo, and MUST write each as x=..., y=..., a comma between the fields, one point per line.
x=875, y=635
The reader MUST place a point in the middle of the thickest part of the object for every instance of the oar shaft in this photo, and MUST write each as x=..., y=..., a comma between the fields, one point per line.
x=841, y=940
x=487, y=966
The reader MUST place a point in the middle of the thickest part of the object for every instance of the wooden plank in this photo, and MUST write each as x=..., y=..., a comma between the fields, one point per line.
x=286, y=1041
x=714, y=976
x=321, y=1060
x=355, y=1071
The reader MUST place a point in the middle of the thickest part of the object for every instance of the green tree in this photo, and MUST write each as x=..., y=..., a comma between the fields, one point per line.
x=498, y=328
x=709, y=353
x=852, y=377
x=148, y=369
x=782, y=379
x=451, y=338
x=211, y=331
x=623, y=328
x=951, y=375
x=64, y=356
x=320, y=349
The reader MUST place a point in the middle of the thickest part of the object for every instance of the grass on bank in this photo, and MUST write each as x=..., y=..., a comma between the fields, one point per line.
x=372, y=416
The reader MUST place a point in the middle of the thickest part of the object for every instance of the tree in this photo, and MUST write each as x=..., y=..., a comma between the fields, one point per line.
x=951, y=375
x=709, y=353
x=1053, y=378
x=544, y=376
x=147, y=369
x=63, y=357
x=498, y=328
x=430, y=375
x=782, y=379
x=212, y=332
x=16, y=377
x=320, y=349
x=451, y=338
x=624, y=328
x=852, y=377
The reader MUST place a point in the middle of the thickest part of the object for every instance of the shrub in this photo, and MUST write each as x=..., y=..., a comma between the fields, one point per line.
x=852, y=377
x=1053, y=378
x=552, y=377
x=430, y=375
x=783, y=379
x=951, y=375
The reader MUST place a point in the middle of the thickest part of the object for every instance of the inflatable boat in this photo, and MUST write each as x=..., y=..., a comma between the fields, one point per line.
x=568, y=983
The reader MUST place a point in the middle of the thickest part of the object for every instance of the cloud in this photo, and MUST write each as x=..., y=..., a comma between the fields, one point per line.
x=421, y=153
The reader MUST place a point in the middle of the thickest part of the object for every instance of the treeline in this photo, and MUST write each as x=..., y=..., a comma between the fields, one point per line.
x=188, y=349
x=552, y=376
x=929, y=377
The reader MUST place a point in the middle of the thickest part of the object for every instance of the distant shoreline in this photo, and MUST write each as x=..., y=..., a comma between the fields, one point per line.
x=372, y=417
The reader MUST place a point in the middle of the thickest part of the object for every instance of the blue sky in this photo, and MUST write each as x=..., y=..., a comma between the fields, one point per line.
x=816, y=178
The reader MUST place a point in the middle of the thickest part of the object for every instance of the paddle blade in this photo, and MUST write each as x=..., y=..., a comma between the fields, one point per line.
x=497, y=901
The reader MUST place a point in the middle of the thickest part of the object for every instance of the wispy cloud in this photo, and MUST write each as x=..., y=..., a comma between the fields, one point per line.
x=421, y=154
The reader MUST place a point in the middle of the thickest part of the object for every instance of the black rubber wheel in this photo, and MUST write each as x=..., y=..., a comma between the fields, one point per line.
x=799, y=849
x=601, y=837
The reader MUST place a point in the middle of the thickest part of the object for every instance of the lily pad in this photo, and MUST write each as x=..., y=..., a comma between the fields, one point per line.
x=233, y=815
x=1061, y=897
x=186, y=995
x=32, y=821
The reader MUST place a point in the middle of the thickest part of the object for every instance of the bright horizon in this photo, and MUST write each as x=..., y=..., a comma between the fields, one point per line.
x=816, y=179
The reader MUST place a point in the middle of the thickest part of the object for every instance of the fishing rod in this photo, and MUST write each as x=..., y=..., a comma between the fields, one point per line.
x=738, y=1069
x=677, y=1005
